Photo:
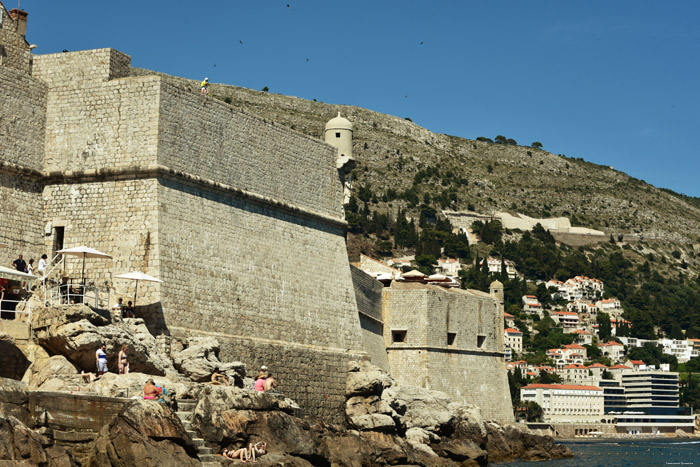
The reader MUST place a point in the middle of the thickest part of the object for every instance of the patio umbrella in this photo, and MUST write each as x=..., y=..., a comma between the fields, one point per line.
x=85, y=252
x=15, y=273
x=137, y=276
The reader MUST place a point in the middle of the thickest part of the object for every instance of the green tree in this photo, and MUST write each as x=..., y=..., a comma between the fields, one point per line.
x=536, y=145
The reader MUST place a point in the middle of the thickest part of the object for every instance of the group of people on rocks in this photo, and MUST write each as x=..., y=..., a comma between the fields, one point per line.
x=265, y=381
x=123, y=311
x=246, y=454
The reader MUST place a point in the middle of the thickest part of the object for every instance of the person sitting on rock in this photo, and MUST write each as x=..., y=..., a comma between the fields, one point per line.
x=258, y=449
x=260, y=382
x=88, y=377
x=151, y=391
x=270, y=383
x=219, y=378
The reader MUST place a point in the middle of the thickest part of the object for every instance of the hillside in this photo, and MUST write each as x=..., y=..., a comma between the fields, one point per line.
x=462, y=174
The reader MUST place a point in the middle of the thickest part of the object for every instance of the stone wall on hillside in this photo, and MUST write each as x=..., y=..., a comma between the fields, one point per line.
x=212, y=140
x=448, y=340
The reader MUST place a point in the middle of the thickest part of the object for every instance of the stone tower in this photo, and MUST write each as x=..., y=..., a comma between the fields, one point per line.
x=338, y=134
x=496, y=289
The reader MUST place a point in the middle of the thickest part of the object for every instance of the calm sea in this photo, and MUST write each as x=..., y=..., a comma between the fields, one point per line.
x=625, y=453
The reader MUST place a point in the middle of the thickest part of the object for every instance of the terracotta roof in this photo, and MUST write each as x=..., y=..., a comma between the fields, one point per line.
x=609, y=343
x=512, y=331
x=597, y=365
x=508, y=315
x=561, y=386
x=620, y=367
x=530, y=296
x=580, y=331
x=576, y=366
x=637, y=362
x=567, y=313
x=574, y=346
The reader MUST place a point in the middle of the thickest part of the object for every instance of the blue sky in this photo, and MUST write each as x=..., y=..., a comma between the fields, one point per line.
x=614, y=82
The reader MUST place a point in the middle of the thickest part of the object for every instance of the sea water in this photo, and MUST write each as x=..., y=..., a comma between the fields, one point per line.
x=624, y=453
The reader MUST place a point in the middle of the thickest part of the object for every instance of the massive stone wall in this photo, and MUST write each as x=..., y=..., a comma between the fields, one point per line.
x=21, y=160
x=210, y=139
x=22, y=119
x=252, y=273
x=368, y=294
x=470, y=366
x=94, y=120
x=119, y=217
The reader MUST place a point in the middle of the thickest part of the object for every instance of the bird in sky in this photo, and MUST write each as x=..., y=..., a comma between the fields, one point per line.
x=287, y=5
x=422, y=43
x=307, y=59
x=241, y=42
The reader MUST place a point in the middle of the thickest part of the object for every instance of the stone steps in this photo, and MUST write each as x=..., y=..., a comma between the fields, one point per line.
x=185, y=410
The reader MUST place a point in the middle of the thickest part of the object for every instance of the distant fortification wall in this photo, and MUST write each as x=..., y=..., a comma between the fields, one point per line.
x=368, y=295
x=453, y=343
x=14, y=50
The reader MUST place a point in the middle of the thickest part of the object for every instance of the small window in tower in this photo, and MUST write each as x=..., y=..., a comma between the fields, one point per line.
x=2, y=51
x=480, y=341
x=337, y=135
x=398, y=336
x=451, y=338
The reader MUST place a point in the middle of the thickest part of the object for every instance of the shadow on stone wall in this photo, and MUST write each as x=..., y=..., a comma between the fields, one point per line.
x=153, y=317
x=14, y=363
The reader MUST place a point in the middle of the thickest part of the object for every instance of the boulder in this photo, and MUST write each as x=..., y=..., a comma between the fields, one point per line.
x=144, y=433
x=198, y=359
x=510, y=442
x=45, y=369
x=130, y=385
x=76, y=332
x=365, y=379
x=421, y=408
x=22, y=446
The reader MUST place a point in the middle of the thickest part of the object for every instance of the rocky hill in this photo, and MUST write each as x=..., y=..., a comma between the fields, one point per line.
x=463, y=174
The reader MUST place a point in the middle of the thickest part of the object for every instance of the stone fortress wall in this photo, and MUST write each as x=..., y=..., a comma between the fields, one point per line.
x=242, y=219
x=22, y=121
x=453, y=343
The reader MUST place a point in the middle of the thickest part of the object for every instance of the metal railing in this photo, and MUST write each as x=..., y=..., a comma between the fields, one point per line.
x=73, y=293
x=10, y=306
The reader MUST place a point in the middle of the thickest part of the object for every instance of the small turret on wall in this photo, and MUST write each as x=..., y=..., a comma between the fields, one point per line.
x=338, y=133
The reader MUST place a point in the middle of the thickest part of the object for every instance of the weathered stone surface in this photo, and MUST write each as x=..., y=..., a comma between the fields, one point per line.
x=13, y=362
x=199, y=359
x=421, y=408
x=45, y=369
x=23, y=446
x=130, y=385
x=14, y=400
x=71, y=331
x=366, y=379
x=145, y=433
x=510, y=442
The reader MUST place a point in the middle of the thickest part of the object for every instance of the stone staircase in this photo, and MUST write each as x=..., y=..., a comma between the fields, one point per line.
x=185, y=409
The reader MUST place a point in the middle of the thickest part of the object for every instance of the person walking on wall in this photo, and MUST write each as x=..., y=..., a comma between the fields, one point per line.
x=205, y=86
x=101, y=357
x=123, y=360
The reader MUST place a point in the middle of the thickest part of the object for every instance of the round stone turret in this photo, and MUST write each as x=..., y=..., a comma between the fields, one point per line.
x=496, y=289
x=339, y=134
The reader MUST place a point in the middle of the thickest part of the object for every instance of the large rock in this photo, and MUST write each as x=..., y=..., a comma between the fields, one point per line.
x=23, y=447
x=130, y=385
x=370, y=413
x=421, y=408
x=76, y=332
x=145, y=433
x=46, y=369
x=199, y=359
x=510, y=442
x=365, y=379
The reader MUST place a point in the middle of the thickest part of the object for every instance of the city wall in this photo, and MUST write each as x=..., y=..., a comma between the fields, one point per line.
x=453, y=344
x=368, y=295
x=21, y=160
x=14, y=50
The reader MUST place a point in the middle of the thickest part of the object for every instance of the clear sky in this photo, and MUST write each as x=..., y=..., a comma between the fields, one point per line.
x=614, y=82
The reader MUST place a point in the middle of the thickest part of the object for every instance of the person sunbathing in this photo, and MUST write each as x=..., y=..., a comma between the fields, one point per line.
x=244, y=455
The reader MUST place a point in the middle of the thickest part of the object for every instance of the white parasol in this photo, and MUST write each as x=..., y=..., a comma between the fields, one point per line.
x=137, y=276
x=85, y=252
x=13, y=272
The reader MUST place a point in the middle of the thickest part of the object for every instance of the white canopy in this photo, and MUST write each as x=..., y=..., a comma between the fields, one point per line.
x=138, y=276
x=84, y=252
x=13, y=272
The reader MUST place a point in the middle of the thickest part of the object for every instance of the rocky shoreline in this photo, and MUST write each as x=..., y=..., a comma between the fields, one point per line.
x=386, y=423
